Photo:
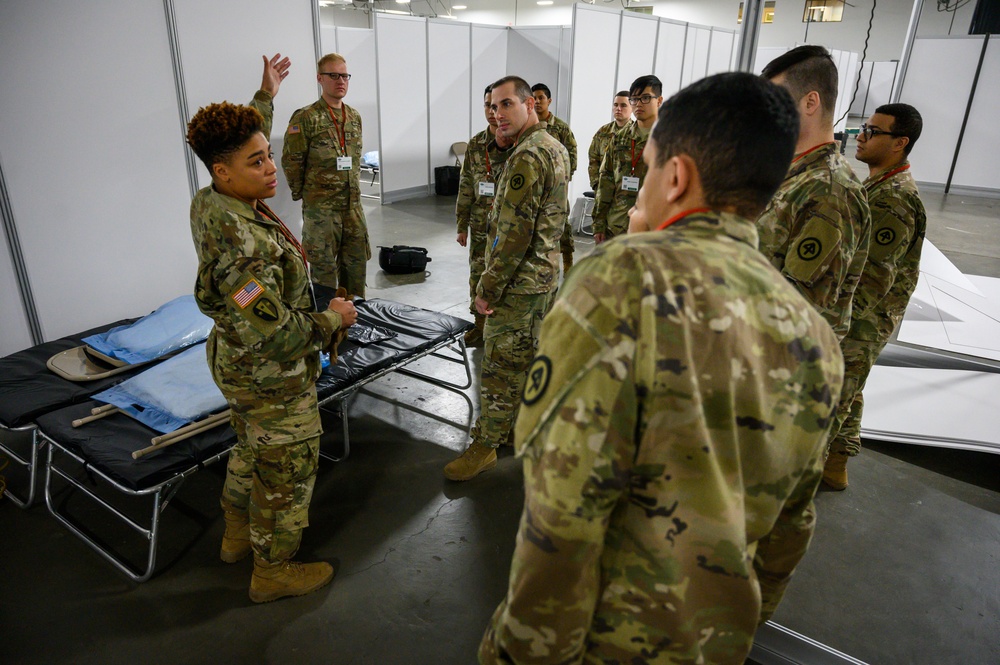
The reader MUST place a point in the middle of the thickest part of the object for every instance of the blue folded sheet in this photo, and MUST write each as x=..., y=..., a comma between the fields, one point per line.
x=175, y=325
x=171, y=394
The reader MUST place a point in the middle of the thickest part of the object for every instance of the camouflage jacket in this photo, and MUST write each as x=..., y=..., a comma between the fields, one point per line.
x=623, y=158
x=309, y=156
x=672, y=429
x=252, y=281
x=899, y=223
x=559, y=129
x=816, y=232
x=527, y=219
x=599, y=146
x=483, y=162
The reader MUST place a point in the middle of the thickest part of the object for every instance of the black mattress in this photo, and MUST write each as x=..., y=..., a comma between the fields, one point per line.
x=107, y=444
x=28, y=388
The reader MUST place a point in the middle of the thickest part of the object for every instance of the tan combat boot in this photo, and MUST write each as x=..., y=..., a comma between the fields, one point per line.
x=236, y=539
x=476, y=459
x=272, y=581
x=474, y=337
x=835, y=471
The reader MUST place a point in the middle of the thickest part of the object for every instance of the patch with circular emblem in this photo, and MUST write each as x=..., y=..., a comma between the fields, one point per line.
x=538, y=380
x=517, y=182
x=809, y=249
x=885, y=236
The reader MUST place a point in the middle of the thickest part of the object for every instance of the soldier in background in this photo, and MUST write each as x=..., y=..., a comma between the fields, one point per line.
x=622, y=169
x=559, y=129
x=522, y=269
x=321, y=159
x=890, y=275
x=674, y=420
x=484, y=160
x=816, y=229
x=263, y=352
x=602, y=138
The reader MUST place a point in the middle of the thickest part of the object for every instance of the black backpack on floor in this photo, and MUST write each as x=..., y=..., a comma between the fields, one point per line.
x=402, y=259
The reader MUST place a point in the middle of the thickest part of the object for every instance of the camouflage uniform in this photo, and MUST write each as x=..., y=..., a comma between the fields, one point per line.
x=898, y=227
x=334, y=231
x=598, y=146
x=623, y=158
x=816, y=232
x=484, y=162
x=264, y=356
x=520, y=274
x=672, y=432
x=561, y=131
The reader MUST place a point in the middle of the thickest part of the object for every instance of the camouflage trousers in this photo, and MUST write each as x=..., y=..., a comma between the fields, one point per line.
x=477, y=260
x=336, y=243
x=510, y=342
x=272, y=469
x=859, y=356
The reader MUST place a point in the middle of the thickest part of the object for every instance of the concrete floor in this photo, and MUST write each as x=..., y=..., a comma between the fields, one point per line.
x=903, y=568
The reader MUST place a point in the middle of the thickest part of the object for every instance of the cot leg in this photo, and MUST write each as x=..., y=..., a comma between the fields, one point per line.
x=31, y=465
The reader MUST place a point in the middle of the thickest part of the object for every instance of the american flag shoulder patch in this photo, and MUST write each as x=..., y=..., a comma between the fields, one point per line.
x=294, y=129
x=247, y=294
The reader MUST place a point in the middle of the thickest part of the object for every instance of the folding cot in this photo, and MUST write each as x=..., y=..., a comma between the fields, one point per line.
x=103, y=449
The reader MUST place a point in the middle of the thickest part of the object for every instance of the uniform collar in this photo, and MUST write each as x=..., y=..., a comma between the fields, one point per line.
x=812, y=157
x=241, y=208
x=529, y=131
x=728, y=223
x=873, y=179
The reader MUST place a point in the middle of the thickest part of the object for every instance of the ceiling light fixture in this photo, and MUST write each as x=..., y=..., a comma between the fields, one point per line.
x=544, y=2
x=460, y=7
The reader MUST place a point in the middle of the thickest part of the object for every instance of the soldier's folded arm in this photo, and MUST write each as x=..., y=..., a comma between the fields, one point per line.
x=780, y=551
x=575, y=474
x=294, y=154
x=262, y=320
x=515, y=227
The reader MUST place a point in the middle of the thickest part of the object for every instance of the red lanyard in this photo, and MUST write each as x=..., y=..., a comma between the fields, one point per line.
x=262, y=207
x=342, y=125
x=634, y=160
x=812, y=149
x=489, y=170
x=681, y=215
x=898, y=169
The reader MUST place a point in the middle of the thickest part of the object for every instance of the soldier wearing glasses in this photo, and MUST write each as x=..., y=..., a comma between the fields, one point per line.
x=321, y=159
x=890, y=275
x=622, y=169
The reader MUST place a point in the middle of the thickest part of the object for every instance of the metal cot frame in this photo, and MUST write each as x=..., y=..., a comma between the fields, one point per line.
x=31, y=464
x=163, y=492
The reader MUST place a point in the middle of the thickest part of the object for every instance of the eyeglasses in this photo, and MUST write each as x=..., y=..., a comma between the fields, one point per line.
x=333, y=76
x=645, y=99
x=875, y=131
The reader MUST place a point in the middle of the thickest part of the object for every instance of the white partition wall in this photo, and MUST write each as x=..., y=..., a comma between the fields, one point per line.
x=876, y=86
x=533, y=54
x=671, y=45
x=699, y=39
x=938, y=82
x=357, y=45
x=401, y=55
x=94, y=159
x=977, y=165
x=636, y=48
x=489, y=63
x=721, y=51
x=448, y=88
x=220, y=64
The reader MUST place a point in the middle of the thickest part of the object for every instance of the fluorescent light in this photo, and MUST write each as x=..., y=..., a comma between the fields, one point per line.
x=402, y=2
x=544, y=2
x=459, y=7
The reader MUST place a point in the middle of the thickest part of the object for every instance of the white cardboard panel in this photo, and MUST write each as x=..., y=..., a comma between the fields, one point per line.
x=533, y=54
x=220, y=65
x=357, y=45
x=696, y=54
x=880, y=85
x=938, y=82
x=448, y=89
x=720, y=53
x=858, y=107
x=635, y=58
x=670, y=49
x=402, y=105
x=97, y=181
x=593, y=72
x=766, y=54
x=565, y=68
x=489, y=63
x=14, y=333
x=977, y=166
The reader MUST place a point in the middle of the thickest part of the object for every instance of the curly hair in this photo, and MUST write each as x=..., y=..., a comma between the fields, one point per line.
x=218, y=130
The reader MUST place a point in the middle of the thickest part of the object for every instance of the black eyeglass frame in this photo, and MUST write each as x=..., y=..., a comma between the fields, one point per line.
x=870, y=132
x=645, y=99
x=333, y=76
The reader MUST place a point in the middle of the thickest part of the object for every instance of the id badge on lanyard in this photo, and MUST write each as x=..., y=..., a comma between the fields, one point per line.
x=487, y=188
x=344, y=164
x=630, y=183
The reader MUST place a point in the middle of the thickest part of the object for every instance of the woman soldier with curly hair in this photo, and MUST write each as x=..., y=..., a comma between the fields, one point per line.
x=253, y=280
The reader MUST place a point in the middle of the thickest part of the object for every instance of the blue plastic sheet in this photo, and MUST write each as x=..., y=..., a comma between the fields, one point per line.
x=171, y=394
x=370, y=158
x=175, y=325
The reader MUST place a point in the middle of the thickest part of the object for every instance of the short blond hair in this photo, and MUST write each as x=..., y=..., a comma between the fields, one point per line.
x=328, y=58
